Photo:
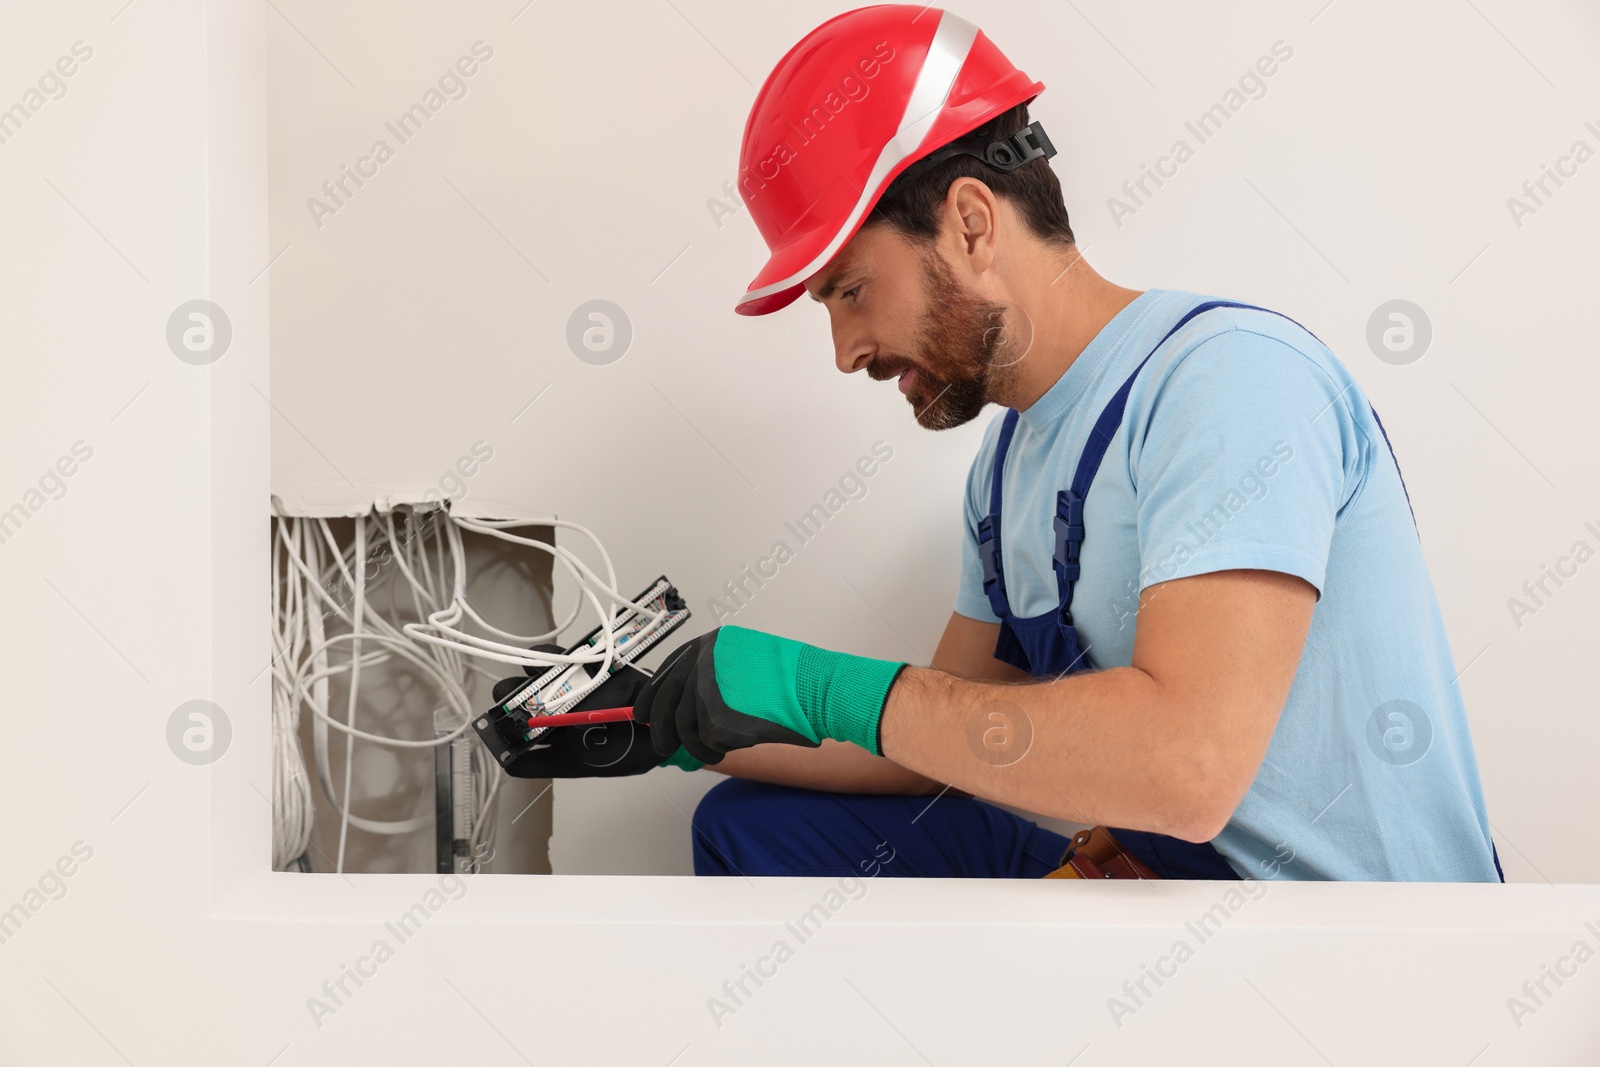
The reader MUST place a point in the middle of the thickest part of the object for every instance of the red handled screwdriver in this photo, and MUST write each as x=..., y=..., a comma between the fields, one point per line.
x=582, y=718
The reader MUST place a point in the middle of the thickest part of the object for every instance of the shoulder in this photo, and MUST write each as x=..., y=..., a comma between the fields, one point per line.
x=1227, y=358
x=1235, y=383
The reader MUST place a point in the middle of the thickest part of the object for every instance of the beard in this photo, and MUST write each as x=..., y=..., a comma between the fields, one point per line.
x=955, y=356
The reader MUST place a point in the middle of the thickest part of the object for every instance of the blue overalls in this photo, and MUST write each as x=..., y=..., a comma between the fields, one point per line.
x=749, y=828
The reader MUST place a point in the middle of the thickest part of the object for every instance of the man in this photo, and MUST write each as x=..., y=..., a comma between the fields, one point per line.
x=1193, y=606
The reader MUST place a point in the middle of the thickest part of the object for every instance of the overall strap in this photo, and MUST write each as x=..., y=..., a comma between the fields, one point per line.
x=994, y=585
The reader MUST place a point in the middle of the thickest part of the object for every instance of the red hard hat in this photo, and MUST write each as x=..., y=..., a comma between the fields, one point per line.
x=846, y=111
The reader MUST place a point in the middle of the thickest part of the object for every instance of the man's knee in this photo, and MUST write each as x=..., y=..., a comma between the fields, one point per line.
x=720, y=822
x=756, y=828
x=726, y=804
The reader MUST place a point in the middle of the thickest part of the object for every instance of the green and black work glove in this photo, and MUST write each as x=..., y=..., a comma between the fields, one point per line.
x=733, y=688
x=598, y=750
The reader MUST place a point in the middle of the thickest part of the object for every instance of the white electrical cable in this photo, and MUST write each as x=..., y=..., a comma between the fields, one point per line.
x=312, y=689
x=355, y=676
x=589, y=584
x=291, y=786
x=496, y=528
x=317, y=681
x=320, y=574
x=451, y=637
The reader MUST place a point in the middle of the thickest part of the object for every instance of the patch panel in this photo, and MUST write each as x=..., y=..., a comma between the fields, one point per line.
x=506, y=729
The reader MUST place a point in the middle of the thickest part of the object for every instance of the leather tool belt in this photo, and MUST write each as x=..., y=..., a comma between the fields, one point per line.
x=1094, y=853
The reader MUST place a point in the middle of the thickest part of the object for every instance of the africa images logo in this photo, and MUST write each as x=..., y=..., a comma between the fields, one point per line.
x=1399, y=732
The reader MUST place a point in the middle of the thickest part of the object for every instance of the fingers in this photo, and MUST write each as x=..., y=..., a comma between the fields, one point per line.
x=687, y=717
x=542, y=762
x=645, y=699
x=657, y=703
x=604, y=750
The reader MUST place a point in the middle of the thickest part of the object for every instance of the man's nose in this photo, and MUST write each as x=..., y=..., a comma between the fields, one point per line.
x=851, y=351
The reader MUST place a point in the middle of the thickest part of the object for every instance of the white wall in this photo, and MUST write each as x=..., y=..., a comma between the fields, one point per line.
x=145, y=586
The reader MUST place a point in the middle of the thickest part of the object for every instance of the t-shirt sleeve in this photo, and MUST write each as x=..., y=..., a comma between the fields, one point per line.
x=1242, y=458
x=971, y=600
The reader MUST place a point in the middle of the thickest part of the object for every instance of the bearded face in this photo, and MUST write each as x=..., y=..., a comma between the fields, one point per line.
x=961, y=353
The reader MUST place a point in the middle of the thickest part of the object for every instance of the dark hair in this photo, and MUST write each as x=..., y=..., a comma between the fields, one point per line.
x=1032, y=188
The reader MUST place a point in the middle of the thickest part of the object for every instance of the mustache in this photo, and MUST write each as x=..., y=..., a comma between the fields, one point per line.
x=881, y=370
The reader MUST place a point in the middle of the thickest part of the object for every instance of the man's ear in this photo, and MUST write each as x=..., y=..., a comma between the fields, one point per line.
x=972, y=214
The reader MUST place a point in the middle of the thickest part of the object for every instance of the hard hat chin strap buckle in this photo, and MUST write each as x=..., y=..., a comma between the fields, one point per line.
x=1024, y=146
x=1007, y=154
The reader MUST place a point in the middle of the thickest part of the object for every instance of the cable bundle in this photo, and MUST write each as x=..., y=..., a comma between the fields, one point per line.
x=314, y=578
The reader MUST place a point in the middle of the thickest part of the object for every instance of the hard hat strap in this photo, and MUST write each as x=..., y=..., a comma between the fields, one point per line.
x=1007, y=154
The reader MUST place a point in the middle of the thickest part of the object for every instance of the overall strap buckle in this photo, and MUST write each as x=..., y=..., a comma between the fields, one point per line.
x=1069, y=541
x=1069, y=534
x=989, y=553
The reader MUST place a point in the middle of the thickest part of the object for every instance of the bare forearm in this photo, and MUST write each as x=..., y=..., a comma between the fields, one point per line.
x=965, y=650
x=835, y=767
x=1100, y=747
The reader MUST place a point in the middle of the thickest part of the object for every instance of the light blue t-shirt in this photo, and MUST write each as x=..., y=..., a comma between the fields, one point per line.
x=1247, y=444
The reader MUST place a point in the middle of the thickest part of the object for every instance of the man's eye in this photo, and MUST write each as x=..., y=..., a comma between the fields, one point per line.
x=850, y=293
